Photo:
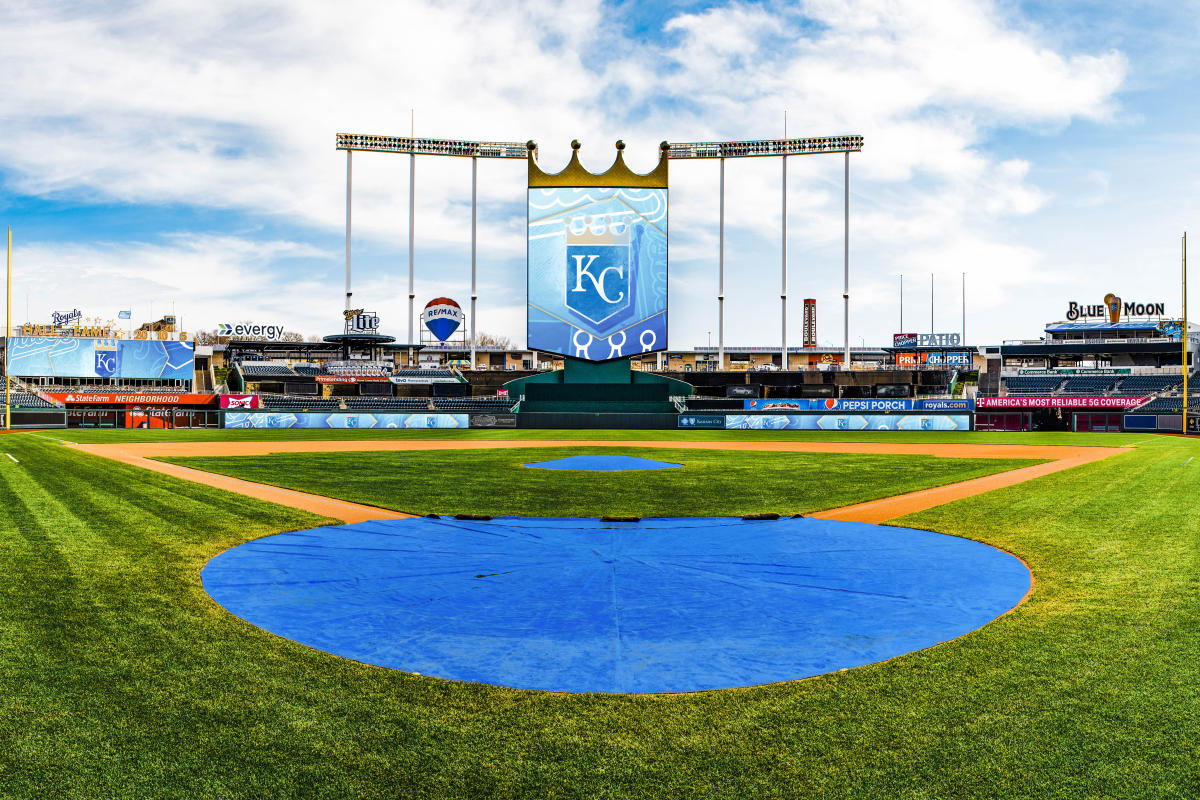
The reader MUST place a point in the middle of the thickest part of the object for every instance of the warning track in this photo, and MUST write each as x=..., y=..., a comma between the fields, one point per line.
x=1057, y=458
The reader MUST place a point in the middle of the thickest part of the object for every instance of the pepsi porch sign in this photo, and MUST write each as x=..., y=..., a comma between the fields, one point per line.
x=597, y=271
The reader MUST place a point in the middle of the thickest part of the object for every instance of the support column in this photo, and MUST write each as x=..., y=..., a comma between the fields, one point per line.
x=783, y=362
x=474, y=218
x=846, y=269
x=349, y=184
x=412, y=193
x=721, y=278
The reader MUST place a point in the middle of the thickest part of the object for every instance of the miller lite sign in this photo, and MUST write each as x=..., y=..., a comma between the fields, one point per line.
x=597, y=263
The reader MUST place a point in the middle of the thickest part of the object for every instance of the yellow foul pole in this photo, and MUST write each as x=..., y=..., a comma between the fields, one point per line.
x=1184, y=337
x=7, y=336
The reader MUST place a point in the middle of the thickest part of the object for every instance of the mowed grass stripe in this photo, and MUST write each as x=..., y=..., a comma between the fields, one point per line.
x=711, y=482
x=147, y=689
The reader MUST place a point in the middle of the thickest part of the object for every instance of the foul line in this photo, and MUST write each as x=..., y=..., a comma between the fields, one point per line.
x=10, y=455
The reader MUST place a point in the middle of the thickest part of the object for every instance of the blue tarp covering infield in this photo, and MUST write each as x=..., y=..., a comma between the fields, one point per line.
x=580, y=605
x=603, y=463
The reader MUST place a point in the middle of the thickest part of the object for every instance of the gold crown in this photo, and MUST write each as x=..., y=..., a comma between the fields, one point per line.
x=617, y=176
x=588, y=229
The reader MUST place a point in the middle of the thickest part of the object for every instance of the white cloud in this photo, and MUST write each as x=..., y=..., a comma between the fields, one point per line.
x=232, y=105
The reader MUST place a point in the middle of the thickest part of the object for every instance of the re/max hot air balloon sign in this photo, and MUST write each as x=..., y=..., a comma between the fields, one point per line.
x=442, y=316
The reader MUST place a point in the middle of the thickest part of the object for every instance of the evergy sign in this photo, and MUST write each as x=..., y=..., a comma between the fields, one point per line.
x=1058, y=402
x=271, y=332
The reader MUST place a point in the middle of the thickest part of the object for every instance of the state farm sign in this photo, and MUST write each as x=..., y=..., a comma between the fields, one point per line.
x=1058, y=402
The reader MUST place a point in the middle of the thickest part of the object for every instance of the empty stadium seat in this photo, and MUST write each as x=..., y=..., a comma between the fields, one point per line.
x=1032, y=384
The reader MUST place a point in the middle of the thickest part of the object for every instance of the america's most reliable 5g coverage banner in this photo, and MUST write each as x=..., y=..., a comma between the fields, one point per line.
x=597, y=271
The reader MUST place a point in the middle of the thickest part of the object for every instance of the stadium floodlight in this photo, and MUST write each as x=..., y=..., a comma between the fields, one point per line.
x=413, y=146
x=431, y=147
x=765, y=147
x=779, y=148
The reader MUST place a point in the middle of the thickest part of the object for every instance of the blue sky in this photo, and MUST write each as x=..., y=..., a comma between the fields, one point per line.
x=181, y=155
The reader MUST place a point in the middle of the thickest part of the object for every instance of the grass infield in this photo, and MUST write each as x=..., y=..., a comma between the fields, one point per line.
x=712, y=483
x=119, y=677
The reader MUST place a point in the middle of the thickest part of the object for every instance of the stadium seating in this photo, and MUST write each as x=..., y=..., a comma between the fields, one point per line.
x=424, y=373
x=1032, y=384
x=1166, y=405
x=254, y=371
x=1136, y=385
x=1089, y=384
x=25, y=400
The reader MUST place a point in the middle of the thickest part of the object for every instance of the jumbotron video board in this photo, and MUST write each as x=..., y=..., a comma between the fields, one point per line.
x=597, y=267
x=597, y=271
x=67, y=357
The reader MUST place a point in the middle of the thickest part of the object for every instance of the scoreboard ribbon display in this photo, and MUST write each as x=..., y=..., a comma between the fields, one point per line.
x=597, y=271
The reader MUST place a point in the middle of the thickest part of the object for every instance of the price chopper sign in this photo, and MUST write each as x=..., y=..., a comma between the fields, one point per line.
x=1113, y=308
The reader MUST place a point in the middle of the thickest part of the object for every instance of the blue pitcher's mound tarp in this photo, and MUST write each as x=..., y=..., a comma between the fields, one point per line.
x=603, y=463
x=580, y=605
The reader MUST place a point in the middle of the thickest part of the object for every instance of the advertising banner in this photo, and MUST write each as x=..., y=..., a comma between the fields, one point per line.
x=63, y=357
x=829, y=404
x=933, y=359
x=429, y=377
x=849, y=422
x=597, y=271
x=238, y=419
x=133, y=398
x=351, y=378
x=946, y=404
x=493, y=420
x=926, y=340
x=240, y=401
x=705, y=421
x=1059, y=402
x=1076, y=371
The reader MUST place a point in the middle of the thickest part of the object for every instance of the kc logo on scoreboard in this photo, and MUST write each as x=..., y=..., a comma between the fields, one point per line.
x=598, y=266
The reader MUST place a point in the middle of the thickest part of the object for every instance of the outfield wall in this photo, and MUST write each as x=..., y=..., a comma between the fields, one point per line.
x=341, y=420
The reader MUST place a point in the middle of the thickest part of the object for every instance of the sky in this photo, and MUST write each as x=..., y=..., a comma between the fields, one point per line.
x=168, y=156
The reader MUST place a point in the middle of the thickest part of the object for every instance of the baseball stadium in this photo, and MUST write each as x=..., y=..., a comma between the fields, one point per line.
x=359, y=566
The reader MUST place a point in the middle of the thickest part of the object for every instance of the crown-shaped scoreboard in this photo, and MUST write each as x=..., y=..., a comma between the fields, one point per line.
x=597, y=242
x=597, y=263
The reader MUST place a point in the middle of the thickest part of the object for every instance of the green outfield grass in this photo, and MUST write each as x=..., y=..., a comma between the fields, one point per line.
x=711, y=483
x=120, y=678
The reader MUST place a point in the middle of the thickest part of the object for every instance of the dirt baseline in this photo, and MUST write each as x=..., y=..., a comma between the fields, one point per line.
x=874, y=511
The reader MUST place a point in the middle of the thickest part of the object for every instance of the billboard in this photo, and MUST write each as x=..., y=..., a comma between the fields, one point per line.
x=849, y=422
x=926, y=340
x=597, y=271
x=442, y=316
x=934, y=359
x=1063, y=401
x=828, y=404
x=133, y=398
x=241, y=419
x=69, y=357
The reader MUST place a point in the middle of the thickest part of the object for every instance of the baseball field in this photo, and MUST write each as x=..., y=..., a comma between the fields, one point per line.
x=122, y=678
